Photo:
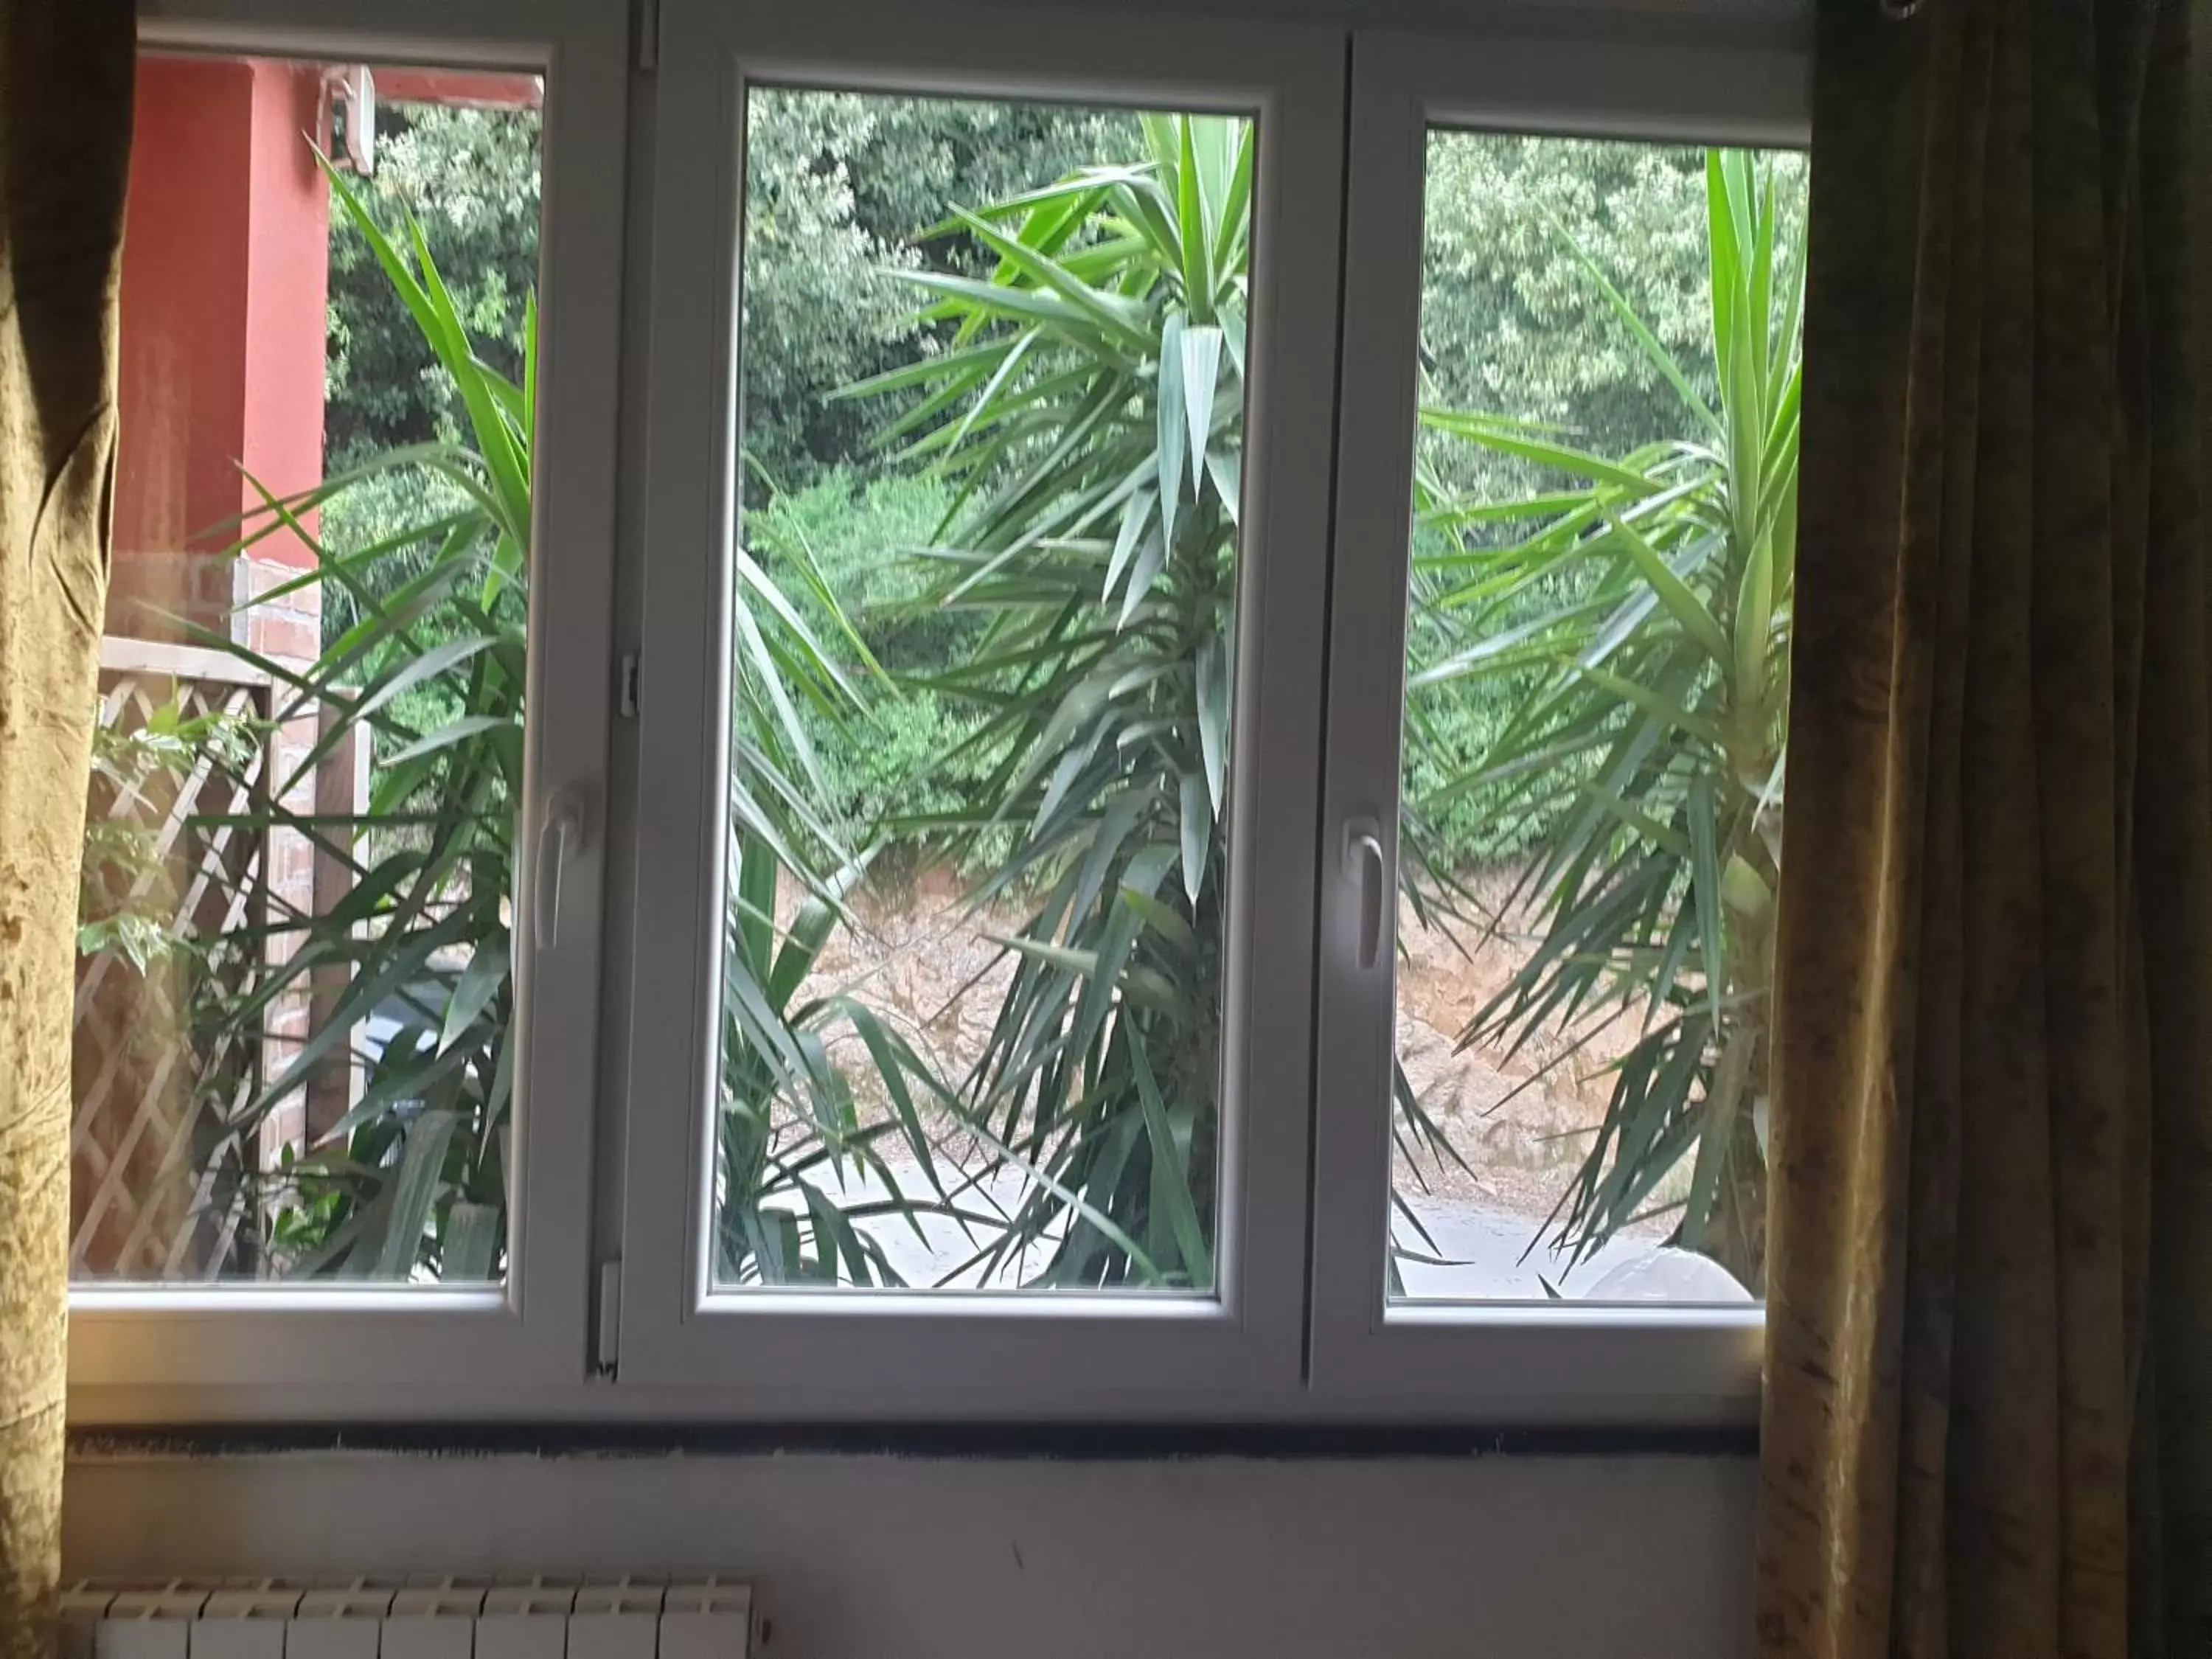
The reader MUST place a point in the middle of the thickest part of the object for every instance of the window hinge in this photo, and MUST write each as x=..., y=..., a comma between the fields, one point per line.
x=648, y=34
x=628, y=695
x=606, y=1330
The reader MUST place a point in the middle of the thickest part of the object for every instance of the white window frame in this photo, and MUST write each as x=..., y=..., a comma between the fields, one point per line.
x=920, y=1354
x=179, y=1353
x=1497, y=1362
x=1300, y=1330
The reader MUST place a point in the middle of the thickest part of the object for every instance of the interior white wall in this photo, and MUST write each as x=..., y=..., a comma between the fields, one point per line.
x=910, y=1557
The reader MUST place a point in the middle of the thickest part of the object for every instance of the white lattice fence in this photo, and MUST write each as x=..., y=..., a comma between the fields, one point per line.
x=161, y=1163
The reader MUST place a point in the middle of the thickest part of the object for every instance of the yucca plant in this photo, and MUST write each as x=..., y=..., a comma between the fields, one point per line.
x=1088, y=405
x=791, y=1136
x=429, y=669
x=1636, y=619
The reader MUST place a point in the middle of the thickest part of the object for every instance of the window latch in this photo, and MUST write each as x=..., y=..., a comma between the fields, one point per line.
x=607, y=1321
x=1363, y=863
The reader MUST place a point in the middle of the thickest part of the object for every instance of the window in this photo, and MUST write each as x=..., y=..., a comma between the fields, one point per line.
x=1591, y=798
x=331, y=1067
x=923, y=1083
x=1088, y=405
x=313, y=695
x=1510, y=1122
x=909, y=754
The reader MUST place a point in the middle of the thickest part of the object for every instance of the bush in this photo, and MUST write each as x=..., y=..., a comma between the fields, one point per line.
x=864, y=539
x=843, y=189
x=860, y=539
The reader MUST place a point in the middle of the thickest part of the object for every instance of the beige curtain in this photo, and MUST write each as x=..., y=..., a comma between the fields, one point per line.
x=1989, y=1410
x=65, y=78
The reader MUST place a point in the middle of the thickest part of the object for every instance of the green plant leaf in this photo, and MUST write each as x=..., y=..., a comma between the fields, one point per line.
x=1170, y=1185
x=1213, y=677
x=413, y=1190
x=1196, y=816
x=473, y=1234
x=1674, y=595
x=1199, y=349
x=1171, y=422
x=480, y=982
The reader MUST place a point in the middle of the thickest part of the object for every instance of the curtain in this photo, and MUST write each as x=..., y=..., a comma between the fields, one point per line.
x=65, y=81
x=1988, y=1425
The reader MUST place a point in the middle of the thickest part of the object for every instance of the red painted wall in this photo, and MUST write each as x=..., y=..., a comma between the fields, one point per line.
x=478, y=89
x=224, y=290
x=182, y=300
x=287, y=290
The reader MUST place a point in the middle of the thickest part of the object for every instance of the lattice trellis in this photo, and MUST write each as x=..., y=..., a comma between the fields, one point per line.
x=161, y=1169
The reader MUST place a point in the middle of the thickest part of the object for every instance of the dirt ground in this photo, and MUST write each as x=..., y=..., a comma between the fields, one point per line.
x=1521, y=1120
x=932, y=969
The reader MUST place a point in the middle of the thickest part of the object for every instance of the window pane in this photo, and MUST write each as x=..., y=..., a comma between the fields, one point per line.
x=295, y=1002
x=1597, y=696
x=993, y=392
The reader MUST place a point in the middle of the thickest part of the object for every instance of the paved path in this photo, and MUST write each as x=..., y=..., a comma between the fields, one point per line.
x=1487, y=1245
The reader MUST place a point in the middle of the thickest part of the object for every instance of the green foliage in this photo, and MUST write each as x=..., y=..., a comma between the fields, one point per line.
x=468, y=180
x=792, y=1135
x=127, y=891
x=1511, y=321
x=818, y=309
x=1088, y=410
x=412, y=1183
x=1635, y=618
x=789, y=1131
x=840, y=189
x=911, y=753
x=865, y=538
x=413, y=1180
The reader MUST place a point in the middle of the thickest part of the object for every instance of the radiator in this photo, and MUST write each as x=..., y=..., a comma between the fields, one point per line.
x=414, y=1619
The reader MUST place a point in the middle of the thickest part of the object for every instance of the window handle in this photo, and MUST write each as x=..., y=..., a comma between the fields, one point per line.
x=559, y=836
x=1363, y=863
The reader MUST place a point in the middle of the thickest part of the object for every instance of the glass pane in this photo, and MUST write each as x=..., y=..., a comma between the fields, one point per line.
x=1597, y=697
x=993, y=395
x=295, y=1001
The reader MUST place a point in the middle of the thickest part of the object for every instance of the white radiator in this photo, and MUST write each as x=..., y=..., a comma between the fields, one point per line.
x=417, y=1619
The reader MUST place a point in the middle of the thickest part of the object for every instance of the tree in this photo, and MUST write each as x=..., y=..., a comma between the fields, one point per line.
x=842, y=191
x=1088, y=407
x=469, y=179
x=1510, y=320
x=1639, y=617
